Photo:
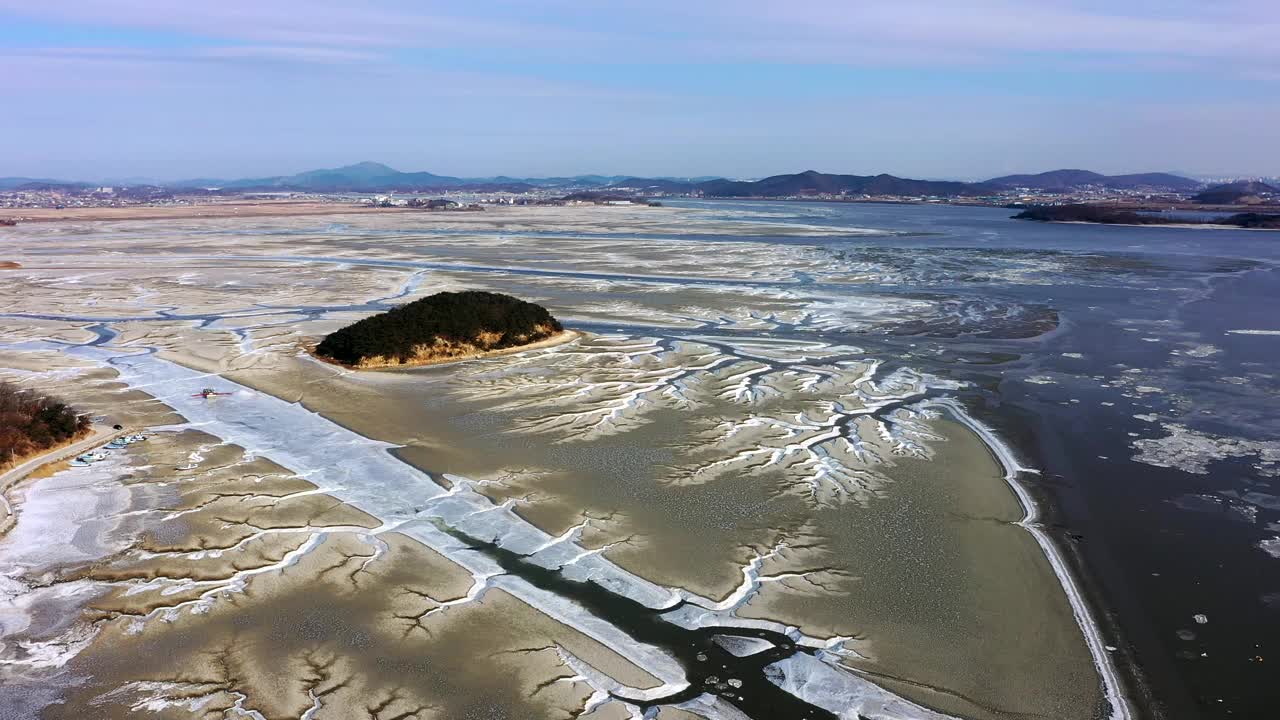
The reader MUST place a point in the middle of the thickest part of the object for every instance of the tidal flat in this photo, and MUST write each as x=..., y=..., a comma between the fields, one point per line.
x=724, y=467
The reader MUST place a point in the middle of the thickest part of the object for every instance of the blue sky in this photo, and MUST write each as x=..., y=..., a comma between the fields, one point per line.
x=923, y=88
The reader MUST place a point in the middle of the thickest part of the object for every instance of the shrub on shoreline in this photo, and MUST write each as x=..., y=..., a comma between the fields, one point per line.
x=31, y=423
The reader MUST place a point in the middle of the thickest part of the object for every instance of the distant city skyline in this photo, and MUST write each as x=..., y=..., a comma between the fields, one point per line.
x=916, y=88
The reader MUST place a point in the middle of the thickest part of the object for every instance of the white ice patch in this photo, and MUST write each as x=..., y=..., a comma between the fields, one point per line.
x=1200, y=351
x=847, y=695
x=154, y=697
x=1192, y=451
x=740, y=646
x=1270, y=546
x=68, y=517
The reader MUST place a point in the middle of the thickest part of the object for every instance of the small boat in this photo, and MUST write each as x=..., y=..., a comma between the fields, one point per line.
x=116, y=444
x=96, y=455
x=79, y=462
x=209, y=393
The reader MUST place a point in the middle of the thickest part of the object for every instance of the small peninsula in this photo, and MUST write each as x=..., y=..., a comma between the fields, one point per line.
x=1118, y=216
x=440, y=328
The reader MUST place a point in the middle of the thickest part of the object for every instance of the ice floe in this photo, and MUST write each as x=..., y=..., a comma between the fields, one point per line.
x=1191, y=450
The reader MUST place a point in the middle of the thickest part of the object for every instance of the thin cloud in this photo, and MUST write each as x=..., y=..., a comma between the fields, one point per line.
x=871, y=32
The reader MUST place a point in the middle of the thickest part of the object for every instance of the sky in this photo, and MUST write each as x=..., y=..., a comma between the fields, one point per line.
x=738, y=88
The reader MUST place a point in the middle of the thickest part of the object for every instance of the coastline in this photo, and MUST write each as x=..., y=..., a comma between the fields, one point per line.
x=234, y=209
x=561, y=338
x=1082, y=605
x=1185, y=226
x=12, y=477
x=302, y=451
x=1042, y=513
x=1004, y=459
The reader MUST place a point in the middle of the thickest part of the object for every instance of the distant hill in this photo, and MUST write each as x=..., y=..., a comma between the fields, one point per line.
x=440, y=327
x=371, y=177
x=376, y=177
x=37, y=184
x=361, y=177
x=13, y=183
x=1153, y=180
x=1065, y=180
x=812, y=182
x=1237, y=192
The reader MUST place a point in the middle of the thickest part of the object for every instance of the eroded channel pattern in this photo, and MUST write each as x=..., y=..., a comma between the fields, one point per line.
x=266, y=555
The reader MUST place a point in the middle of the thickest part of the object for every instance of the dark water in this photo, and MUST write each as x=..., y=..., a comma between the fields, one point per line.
x=740, y=681
x=1148, y=312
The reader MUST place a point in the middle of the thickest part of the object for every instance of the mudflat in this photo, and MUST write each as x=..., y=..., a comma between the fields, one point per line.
x=710, y=453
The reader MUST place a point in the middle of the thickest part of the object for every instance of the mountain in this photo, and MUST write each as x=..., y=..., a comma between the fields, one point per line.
x=1237, y=192
x=1062, y=180
x=1154, y=180
x=812, y=182
x=376, y=177
x=26, y=183
x=361, y=177
x=371, y=177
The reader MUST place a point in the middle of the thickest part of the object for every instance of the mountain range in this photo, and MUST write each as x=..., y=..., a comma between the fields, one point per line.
x=376, y=177
x=1059, y=180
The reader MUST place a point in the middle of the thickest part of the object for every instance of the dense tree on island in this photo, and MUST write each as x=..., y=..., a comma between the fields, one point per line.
x=1253, y=221
x=442, y=326
x=1118, y=216
x=31, y=423
x=1088, y=214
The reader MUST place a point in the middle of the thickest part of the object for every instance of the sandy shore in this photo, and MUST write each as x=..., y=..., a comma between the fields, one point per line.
x=560, y=338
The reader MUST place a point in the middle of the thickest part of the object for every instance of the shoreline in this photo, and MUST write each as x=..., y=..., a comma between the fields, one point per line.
x=14, y=476
x=1184, y=226
x=461, y=506
x=215, y=210
x=1004, y=456
x=561, y=338
x=1082, y=605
